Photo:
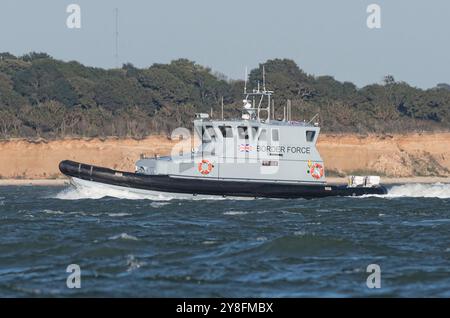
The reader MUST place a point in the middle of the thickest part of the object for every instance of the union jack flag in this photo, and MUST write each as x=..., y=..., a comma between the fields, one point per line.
x=245, y=148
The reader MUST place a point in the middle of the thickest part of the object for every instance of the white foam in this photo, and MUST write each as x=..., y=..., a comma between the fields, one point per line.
x=416, y=190
x=118, y=214
x=133, y=263
x=209, y=242
x=436, y=190
x=95, y=190
x=52, y=211
x=157, y=205
x=82, y=189
x=235, y=213
x=124, y=236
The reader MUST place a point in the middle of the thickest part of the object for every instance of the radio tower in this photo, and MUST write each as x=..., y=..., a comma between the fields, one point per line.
x=116, y=36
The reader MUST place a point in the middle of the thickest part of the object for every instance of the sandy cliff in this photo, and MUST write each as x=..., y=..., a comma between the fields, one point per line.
x=394, y=156
x=388, y=155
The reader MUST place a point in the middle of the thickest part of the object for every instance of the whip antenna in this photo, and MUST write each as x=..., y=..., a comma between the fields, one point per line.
x=264, y=78
x=245, y=82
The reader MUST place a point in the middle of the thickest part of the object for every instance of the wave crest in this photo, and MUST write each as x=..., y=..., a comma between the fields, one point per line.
x=419, y=190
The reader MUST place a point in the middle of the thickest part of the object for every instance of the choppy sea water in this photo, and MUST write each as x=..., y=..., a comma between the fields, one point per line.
x=129, y=246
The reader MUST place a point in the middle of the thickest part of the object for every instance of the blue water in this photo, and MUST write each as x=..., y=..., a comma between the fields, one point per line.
x=224, y=248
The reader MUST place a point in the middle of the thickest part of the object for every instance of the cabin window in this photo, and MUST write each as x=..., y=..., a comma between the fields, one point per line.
x=262, y=135
x=243, y=132
x=275, y=135
x=209, y=133
x=203, y=133
x=227, y=131
x=310, y=134
x=254, y=131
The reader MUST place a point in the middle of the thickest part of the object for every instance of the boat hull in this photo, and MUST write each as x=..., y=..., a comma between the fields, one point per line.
x=198, y=186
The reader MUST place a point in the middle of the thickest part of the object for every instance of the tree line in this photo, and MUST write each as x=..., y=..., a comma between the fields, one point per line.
x=44, y=97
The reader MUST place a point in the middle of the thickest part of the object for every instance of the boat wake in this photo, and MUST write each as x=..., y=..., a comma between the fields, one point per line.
x=81, y=189
x=420, y=190
x=95, y=190
x=81, y=193
x=416, y=190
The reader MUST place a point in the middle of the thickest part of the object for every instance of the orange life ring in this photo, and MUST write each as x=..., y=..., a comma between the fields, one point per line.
x=202, y=169
x=317, y=171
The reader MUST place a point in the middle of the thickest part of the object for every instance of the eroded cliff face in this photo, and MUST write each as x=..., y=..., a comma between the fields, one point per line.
x=388, y=155
x=40, y=159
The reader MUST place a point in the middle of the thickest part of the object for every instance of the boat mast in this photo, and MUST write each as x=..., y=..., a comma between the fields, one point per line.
x=252, y=110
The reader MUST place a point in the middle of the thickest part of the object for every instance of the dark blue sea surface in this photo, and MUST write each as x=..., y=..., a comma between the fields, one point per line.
x=224, y=248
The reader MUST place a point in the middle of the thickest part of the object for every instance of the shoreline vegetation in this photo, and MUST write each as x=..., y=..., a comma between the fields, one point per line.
x=42, y=97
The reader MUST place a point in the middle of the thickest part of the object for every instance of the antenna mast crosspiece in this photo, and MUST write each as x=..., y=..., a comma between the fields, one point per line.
x=253, y=102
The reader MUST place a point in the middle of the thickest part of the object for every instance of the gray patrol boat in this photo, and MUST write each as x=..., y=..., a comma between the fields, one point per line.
x=252, y=156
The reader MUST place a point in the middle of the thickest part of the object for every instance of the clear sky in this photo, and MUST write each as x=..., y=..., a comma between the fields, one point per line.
x=324, y=37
